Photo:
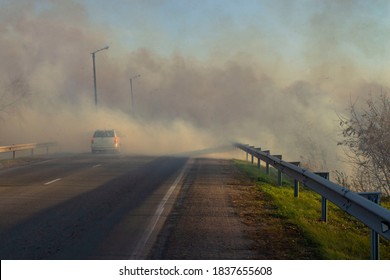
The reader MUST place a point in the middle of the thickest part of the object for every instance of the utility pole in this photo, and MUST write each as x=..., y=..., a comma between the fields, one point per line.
x=94, y=72
x=131, y=93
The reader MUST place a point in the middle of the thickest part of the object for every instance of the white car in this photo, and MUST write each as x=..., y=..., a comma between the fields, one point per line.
x=105, y=140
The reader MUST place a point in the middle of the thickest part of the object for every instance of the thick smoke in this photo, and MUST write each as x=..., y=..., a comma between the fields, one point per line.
x=181, y=103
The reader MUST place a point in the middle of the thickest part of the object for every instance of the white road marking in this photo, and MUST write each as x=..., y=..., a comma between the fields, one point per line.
x=52, y=181
x=141, y=245
x=96, y=165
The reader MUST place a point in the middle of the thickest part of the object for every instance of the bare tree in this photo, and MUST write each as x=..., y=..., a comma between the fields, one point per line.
x=366, y=142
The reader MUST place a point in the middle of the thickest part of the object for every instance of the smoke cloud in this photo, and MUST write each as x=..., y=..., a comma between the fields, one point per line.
x=182, y=102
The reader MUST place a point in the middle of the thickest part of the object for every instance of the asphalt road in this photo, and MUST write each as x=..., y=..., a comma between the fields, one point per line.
x=87, y=206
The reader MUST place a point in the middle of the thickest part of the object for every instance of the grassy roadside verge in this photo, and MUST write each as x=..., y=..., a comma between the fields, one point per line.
x=8, y=163
x=342, y=237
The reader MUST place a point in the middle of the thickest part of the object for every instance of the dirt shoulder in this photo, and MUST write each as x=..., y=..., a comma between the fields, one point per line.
x=9, y=163
x=221, y=214
x=273, y=236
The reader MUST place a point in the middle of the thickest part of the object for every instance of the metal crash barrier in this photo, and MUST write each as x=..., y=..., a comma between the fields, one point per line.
x=363, y=206
x=21, y=147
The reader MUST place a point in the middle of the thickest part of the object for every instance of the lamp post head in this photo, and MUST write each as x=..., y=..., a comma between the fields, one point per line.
x=102, y=49
x=136, y=76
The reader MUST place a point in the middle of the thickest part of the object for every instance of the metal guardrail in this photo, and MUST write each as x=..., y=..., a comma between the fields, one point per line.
x=368, y=212
x=31, y=146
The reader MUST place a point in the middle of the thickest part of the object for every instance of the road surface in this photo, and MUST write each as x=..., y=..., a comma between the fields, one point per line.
x=104, y=206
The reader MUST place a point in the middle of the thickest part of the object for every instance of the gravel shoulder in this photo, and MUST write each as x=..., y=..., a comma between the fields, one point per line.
x=221, y=215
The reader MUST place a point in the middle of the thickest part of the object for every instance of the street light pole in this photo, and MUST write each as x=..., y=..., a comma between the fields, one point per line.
x=131, y=92
x=94, y=78
x=94, y=72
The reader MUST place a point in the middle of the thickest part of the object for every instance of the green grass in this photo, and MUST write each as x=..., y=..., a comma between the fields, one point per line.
x=342, y=237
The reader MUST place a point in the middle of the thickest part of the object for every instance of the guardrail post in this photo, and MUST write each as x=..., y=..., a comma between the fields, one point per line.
x=267, y=164
x=324, y=201
x=296, y=182
x=13, y=154
x=251, y=154
x=374, y=240
x=258, y=159
x=296, y=188
x=374, y=236
x=324, y=211
x=280, y=183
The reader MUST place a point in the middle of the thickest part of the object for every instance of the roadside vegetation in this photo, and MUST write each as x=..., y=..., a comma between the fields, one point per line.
x=365, y=132
x=342, y=237
x=8, y=163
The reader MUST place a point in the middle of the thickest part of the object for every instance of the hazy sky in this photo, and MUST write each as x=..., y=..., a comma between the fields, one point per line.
x=287, y=30
x=272, y=73
x=295, y=35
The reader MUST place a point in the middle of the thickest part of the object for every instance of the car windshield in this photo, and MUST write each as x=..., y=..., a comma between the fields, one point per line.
x=110, y=133
x=104, y=133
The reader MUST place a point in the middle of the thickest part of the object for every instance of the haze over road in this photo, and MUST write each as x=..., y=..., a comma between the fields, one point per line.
x=84, y=206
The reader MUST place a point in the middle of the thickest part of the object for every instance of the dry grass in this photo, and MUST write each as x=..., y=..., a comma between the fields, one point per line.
x=273, y=235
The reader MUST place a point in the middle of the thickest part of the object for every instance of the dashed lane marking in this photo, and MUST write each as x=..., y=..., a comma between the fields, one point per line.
x=52, y=181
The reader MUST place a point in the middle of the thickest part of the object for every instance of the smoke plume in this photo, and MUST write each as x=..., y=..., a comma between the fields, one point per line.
x=181, y=102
